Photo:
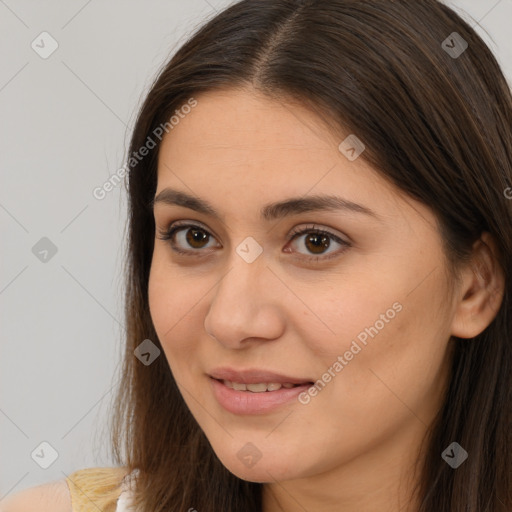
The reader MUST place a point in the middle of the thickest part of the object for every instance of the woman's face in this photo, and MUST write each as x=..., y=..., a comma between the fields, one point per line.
x=363, y=311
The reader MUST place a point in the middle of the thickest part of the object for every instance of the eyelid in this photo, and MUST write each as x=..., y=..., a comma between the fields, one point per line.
x=168, y=233
x=301, y=230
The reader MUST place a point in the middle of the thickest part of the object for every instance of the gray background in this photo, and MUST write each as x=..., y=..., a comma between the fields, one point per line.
x=65, y=126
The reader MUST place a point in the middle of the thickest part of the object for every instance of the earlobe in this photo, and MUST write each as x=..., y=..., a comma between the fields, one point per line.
x=481, y=292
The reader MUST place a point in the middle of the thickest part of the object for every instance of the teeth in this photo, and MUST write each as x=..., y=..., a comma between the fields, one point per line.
x=257, y=388
x=238, y=387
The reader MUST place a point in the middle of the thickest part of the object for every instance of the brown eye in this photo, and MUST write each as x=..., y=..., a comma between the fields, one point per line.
x=186, y=239
x=317, y=241
x=196, y=238
x=190, y=239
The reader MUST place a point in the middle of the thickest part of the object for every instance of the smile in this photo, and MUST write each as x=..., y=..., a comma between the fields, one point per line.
x=256, y=398
x=258, y=388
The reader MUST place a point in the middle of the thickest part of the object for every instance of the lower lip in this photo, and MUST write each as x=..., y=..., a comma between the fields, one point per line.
x=247, y=402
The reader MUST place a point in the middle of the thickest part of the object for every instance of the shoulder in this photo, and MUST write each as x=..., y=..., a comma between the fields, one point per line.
x=84, y=490
x=49, y=497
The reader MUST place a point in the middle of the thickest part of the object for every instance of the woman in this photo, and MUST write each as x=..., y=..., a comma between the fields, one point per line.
x=318, y=283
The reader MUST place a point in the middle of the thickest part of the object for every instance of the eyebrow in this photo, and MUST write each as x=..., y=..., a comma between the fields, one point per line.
x=269, y=212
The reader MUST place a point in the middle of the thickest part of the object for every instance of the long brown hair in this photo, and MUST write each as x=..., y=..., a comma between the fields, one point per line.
x=436, y=124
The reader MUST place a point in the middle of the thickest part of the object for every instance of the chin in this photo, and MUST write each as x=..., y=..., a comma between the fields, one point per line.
x=267, y=469
x=260, y=473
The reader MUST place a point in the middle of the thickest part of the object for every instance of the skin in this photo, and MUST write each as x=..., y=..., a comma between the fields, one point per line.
x=353, y=446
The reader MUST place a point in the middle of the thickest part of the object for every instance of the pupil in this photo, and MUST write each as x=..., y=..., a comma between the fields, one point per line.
x=196, y=237
x=319, y=242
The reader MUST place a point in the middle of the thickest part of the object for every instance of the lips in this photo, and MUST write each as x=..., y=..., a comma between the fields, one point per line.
x=256, y=376
x=261, y=401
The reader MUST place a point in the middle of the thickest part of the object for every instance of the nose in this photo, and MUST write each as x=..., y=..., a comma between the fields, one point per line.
x=246, y=305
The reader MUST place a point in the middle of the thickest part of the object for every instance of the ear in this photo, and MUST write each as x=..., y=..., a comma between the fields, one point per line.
x=481, y=292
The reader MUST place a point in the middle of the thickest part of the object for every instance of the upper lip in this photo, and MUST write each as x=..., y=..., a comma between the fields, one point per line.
x=255, y=376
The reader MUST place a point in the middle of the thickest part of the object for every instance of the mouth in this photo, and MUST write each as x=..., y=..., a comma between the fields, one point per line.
x=260, y=387
x=256, y=398
x=257, y=376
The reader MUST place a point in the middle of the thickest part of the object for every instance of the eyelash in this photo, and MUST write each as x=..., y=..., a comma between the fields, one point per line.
x=168, y=235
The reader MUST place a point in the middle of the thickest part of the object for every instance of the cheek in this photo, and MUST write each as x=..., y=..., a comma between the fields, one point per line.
x=171, y=305
x=353, y=312
x=161, y=296
x=393, y=346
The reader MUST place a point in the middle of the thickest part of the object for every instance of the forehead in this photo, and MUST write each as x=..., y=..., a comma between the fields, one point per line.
x=244, y=121
x=242, y=149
